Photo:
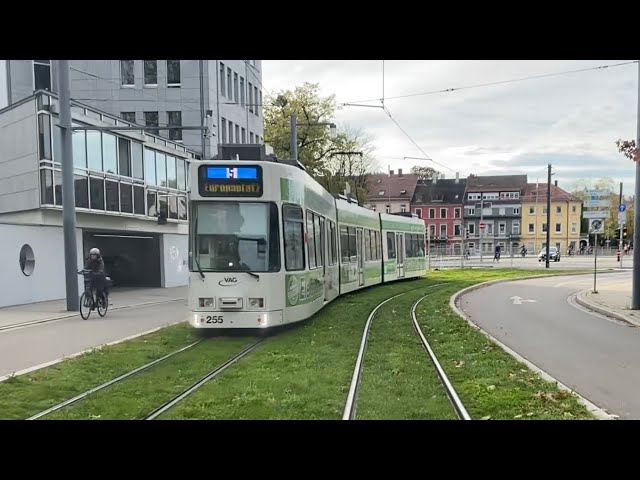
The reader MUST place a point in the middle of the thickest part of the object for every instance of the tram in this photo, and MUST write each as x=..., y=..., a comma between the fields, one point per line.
x=269, y=246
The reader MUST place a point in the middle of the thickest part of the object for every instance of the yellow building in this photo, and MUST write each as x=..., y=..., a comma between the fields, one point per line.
x=566, y=212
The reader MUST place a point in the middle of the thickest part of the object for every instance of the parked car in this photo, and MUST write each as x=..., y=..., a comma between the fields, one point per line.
x=554, y=254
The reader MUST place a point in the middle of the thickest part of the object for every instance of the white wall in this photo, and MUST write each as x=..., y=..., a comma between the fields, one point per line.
x=47, y=282
x=4, y=87
x=174, y=255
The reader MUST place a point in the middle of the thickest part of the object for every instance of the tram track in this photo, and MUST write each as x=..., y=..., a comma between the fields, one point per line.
x=234, y=358
x=350, y=408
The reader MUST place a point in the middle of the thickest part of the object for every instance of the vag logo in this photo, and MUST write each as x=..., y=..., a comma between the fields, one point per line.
x=228, y=281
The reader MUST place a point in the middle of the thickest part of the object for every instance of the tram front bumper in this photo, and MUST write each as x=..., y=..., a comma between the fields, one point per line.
x=230, y=319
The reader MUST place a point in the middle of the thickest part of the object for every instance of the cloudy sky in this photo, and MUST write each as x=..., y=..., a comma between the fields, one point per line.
x=571, y=121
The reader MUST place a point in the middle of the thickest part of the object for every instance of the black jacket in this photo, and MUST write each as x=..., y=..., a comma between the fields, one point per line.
x=96, y=266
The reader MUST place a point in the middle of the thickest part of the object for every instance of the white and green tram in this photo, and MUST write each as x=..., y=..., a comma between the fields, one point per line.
x=268, y=245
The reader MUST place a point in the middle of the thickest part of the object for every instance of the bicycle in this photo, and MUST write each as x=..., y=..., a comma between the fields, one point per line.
x=92, y=282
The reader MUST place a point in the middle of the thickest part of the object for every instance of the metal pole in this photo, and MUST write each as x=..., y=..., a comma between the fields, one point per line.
x=548, y=214
x=621, y=229
x=68, y=191
x=481, y=218
x=595, y=263
x=202, y=144
x=635, y=286
x=294, y=138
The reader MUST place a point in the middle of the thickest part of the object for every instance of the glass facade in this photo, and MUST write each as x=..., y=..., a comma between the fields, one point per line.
x=113, y=174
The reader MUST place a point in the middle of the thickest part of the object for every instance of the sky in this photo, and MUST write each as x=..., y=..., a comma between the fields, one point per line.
x=571, y=121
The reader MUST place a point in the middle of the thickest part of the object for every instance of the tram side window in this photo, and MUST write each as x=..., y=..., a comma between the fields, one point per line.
x=311, y=244
x=391, y=245
x=344, y=244
x=353, y=247
x=421, y=245
x=293, y=238
x=410, y=243
x=378, y=254
x=333, y=258
x=318, y=223
x=367, y=245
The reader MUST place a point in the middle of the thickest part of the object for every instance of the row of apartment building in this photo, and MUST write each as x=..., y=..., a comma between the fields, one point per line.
x=130, y=186
x=478, y=213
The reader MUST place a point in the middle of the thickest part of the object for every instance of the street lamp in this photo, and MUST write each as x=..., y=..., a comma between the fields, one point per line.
x=333, y=131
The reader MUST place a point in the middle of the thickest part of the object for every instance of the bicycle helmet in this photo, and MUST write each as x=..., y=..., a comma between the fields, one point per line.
x=94, y=251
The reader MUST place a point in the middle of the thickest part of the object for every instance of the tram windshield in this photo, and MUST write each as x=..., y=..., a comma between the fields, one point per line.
x=235, y=236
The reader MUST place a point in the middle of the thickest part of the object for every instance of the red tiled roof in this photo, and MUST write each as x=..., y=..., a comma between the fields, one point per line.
x=557, y=194
x=393, y=186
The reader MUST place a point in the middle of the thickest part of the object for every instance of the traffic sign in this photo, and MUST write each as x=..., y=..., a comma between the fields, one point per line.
x=602, y=214
x=596, y=226
x=622, y=218
x=482, y=226
x=597, y=203
x=622, y=208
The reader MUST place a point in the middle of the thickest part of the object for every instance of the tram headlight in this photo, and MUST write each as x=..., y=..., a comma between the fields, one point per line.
x=256, y=302
x=206, y=302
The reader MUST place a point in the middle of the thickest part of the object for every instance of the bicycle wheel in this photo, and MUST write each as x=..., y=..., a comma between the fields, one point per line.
x=103, y=305
x=85, y=305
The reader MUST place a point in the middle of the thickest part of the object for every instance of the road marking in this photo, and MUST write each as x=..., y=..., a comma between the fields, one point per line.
x=519, y=300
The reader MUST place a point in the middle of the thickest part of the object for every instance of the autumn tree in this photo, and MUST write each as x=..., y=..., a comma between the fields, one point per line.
x=628, y=149
x=424, y=173
x=331, y=161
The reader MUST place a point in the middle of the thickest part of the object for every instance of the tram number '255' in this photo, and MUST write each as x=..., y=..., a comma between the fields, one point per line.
x=214, y=319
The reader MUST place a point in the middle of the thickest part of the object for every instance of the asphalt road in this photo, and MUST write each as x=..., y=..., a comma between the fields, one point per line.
x=27, y=347
x=596, y=356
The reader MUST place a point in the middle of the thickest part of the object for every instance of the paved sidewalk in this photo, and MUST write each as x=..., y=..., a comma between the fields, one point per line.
x=119, y=298
x=612, y=300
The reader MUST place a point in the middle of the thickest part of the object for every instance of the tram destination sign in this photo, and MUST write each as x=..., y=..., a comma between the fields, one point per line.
x=230, y=181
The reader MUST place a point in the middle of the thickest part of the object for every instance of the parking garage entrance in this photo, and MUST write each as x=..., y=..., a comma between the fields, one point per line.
x=131, y=260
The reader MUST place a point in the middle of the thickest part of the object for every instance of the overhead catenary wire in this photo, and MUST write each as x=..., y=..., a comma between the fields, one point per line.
x=499, y=82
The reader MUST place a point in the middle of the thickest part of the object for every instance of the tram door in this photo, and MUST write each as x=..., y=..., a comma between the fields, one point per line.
x=400, y=253
x=360, y=248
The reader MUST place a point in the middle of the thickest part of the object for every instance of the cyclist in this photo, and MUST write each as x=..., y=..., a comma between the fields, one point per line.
x=95, y=264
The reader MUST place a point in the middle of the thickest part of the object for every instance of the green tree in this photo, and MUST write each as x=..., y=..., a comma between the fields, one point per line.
x=331, y=161
x=424, y=173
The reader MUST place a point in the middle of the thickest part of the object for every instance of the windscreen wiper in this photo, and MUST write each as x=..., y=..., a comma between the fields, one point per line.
x=195, y=257
x=198, y=264
x=255, y=275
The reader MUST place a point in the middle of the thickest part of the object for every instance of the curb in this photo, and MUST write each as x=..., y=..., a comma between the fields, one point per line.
x=598, y=412
x=74, y=355
x=588, y=304
x=71, y=315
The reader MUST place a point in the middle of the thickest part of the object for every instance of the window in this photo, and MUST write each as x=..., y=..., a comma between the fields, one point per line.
x=419, y=212
x=489, y=228
x=150, y=72
x=574, y=227
x=544, y=210
x=532, y=228
x=456, y=230
x=369, y=242
x=175, y=119
x=136, y=160
x=502, y=228
x=181, y=174
x=109, y=155
x=223, y=135
x=318, y=229
x=124, y=157
x=516, y=211
x=381, y=193
x=237, y=137
x=126, y=198
x=151, y=120
x=391, y=245
x=443, y=230
x=173, y=73
x=471, y=228
x=161, y=169
x=172, y=179
x=471, y=211
x=558, y=227
x=515, y=228
x=126, y=73
x=229, y=85
x=558, y=209
x=46, y=185
x=443, y=213
x=150, y=166
x=42, y=74
x=251, y=99
x=81, y=188
x=230, y=131
x=250, y=137
x=255, y=98
x=311, y=244
x=432, y=213
x=344, y=244
x=94, y=151
x=138, y=200
x=152, y=204
x=403, y=208
x=432, y=231
x=260, y=104
x=223, y=85
x=44, y=134
x=242, y=92
x=244, y=135
x=353, y=248
x=235, y=87
x=333, y=247
x=79, y=141
x=236, y=237
x=573, y=209
x=502, y=211
x=112, y=196
x=128, y=116
x=456, y=213
x=96, y=193
x=544, y=227
x=532, y=210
